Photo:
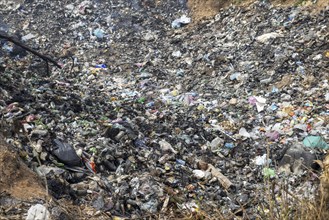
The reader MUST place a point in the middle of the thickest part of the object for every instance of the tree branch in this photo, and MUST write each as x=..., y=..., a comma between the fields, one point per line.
x=44, y=57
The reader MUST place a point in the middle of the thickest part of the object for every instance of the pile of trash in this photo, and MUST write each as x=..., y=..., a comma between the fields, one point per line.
x=153, y=114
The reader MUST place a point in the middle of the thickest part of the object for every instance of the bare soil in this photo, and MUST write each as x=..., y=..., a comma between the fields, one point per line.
x=203, y=9
x=16, y=179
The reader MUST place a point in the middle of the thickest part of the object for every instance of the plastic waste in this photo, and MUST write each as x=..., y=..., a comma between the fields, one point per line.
x=180, y=162
x=200, y=174
x=139, y=143
x=165, y=146
x=6, y=47
x=273, y=136
x=315, y=142
x=229, y=145
x=244, y=133
x=99, y=33
x=66, y=153
x=274, y=107
x=235, y=76
x=150, y=206
x=28, y=37
x=326, y=54
x=275, y=90
x=327, y=97
x=266, y=37
x=300, y=68
x=149, y=104
x=184, y=20
x=292, y=158
x=38, y=212
x=141, y=100
x=216, y=143
x=268, y=172
x=3, y=27
x=99, y=203
x=260, y=102
x=262, y=160
x=101, y=66
x=176, y=54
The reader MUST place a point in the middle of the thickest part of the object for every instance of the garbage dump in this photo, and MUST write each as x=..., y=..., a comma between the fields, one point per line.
x=157, y=115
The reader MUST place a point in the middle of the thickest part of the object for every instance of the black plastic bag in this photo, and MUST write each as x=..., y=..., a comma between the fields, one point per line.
x=66, y=153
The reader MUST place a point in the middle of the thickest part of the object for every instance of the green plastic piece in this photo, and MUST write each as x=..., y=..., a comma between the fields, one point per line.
x=315, y=142
x=268, y=172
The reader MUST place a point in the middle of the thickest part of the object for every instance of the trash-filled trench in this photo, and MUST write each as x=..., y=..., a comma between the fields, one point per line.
x=156, y=115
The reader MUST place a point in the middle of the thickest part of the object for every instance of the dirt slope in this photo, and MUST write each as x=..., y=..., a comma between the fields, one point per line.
x=16, y=178
x=202, y=9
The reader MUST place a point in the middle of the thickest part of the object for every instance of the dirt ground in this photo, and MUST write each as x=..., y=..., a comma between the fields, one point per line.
x=202, y=9
x=206, y=8
x=16, y=178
